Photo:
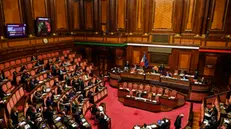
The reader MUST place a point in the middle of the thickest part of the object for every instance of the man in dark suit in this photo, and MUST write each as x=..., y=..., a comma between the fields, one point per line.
x=53, y=69
x=1, y=77
x=177, y=123
x=32, y=84
x=22, y=68
x=14, y=116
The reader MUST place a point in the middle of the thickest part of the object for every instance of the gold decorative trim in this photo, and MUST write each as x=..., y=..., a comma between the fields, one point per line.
x=2, y=38
x=31, y=36
x=54, y=34
x=228, y=36
x=177, y=35
x=203, y=36
x=197, y=36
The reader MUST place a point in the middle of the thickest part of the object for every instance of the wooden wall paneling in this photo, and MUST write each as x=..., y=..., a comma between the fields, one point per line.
x=228, y=19
x=173, y=59
x=29, y=20
x=178, y=15
x=75, y=15
x=136, y=16
x=61, y=15
x=96, y=17
x=194, y=60
x=147, y=13
x=39, y=8
x=104, y=15
x=112, y=16
x=51, y=15
x=70, y=16
x=218, y=16
x=2, y=22
x=162, y=15
x=210, y=65
x=88, y=14
x=121, y=15
x=184, y=60
x=201, y=18
x=189, y=14
x=136, y=57
x=119, y=54
x=12, y=11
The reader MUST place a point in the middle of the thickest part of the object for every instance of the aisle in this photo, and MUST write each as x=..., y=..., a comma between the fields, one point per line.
x=125, y=117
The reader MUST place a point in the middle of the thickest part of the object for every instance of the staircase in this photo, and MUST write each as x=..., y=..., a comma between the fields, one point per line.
x=196, y=119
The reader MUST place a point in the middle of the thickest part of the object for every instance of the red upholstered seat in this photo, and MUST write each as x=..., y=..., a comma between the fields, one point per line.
x=23, y=60
x=149, y=95
x=39, y=57
x=141, y=87
x=44, y=56
x=154, y=90
x=2, y=66
x=44, y=76
x=11, y=71
x=157, y=98
x=147, y=88
x=11, y=103
x=56, y=53
x=18, y=61
x=51, y=83
x=18, y=79
x=130, y=86
x=52, y=54
x=48, y=55
x=7, y=73
x=166, y=92
x=173, y=93
x=32, y=73
x=28, y=59
x=18, y=96
x=17, y=69
x=21, y=91
x=12, y=63
x=134, y=87
x=29, y=66
x=8, y=107
x=9, y=86
x=7, y=65
x=4, y=88
x=14, y=99
x=159, y=91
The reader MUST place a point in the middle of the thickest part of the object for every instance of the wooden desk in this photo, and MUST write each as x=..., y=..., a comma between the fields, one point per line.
x=198, y=91
x=141, y=104
x=175, y=81
x=132, y=75
x=153, y=77
x=167, y=102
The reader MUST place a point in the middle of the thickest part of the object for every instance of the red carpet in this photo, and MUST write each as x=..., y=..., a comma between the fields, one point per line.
x=125, y=117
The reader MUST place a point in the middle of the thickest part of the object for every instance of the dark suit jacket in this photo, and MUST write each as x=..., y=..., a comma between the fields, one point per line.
x=177, y=123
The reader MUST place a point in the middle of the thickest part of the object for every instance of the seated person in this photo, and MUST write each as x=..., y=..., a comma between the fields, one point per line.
x=90, y=83
x=2, y=93
x=49, y=76
x=60, y=73
x=139, y=94
x=60, y=89
x=32, y=84
x=14, y=78
x=23, y=68
x=102, y=122
x=38, y=96
x=33, y=58
x=1, y=77
x=14, y=116
x=36, y=81
x=168, y=74
x=24, y=77
x=67, y=80
x=53, y=70
x=91, y=97
x=49, y=102
x=57, y=59
x=41, y=61
x=94, y=109
x=48, y=67
x=228, y=95
x=80, y=99
x=37, y=64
